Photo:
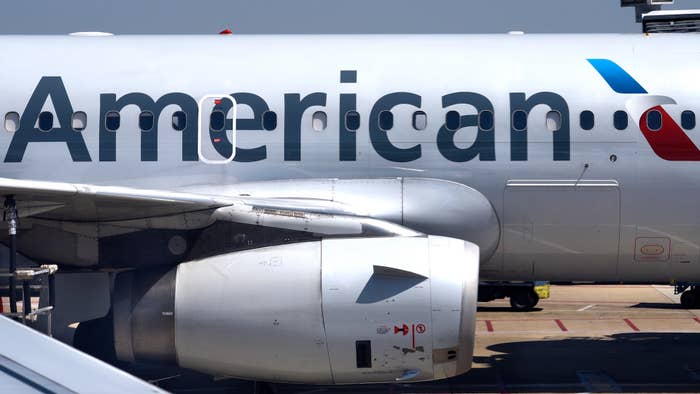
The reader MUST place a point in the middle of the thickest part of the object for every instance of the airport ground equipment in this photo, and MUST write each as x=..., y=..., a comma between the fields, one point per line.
x=38, y=280
x=34, y=280
x=523, y=295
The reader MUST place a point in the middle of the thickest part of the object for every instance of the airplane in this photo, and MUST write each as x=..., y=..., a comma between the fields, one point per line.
x=320, y=209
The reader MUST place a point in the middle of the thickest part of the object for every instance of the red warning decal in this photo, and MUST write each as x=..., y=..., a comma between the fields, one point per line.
x=415, y=329
x=403, y=329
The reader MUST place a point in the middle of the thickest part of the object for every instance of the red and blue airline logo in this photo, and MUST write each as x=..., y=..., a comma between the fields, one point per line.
x=669, y=142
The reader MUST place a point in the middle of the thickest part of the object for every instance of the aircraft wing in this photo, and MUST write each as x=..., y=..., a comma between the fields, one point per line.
x=31, y=362
x=80, y=202
x=142, y=208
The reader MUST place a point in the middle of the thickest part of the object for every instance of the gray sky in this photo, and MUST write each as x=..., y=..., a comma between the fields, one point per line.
x=318, y=16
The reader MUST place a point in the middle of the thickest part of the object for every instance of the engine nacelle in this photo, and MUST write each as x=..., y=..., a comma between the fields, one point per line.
x=336, y=311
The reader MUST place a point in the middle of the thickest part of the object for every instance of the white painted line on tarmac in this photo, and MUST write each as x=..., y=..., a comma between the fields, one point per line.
x=585, y=308
x=667, y=291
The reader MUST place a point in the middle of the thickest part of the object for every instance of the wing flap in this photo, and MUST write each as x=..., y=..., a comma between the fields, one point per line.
x=80, y=202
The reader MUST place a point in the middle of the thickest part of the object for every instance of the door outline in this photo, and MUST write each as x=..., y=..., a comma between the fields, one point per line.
x=554, y=186
x=234, y=108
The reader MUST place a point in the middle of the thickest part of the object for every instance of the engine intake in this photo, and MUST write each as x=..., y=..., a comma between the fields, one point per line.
x=335, y=311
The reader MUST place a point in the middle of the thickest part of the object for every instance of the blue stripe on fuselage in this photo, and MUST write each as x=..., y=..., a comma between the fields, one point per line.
x=618, y=79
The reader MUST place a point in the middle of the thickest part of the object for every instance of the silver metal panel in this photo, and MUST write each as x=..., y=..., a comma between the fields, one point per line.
x=454, y=278
x=254, y=314
x=431, y=206
x=552, y=228
x=358, y=305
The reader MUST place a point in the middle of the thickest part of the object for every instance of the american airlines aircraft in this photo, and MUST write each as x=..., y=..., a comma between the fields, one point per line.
x=320, y=209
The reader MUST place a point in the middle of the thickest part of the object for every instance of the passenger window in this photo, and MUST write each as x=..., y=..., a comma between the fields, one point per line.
x=420, y=120
x=112, y=120
x=654, y=120
x=45, y=121
x=146, y=120
x=486, y=120
x=79, y=121
x=319, y=121
x=553, y=120
x=352, y=120
x=587, y=120
x=620, y=120
x=452, y=120
x=179, y=120
x=688, y=120
x=386, y=120
x=269, y=120
x=12, y=121
x=217, y=120
x=519, y=120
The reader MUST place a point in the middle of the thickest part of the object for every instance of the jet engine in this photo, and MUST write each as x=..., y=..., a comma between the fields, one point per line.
x=335, y=311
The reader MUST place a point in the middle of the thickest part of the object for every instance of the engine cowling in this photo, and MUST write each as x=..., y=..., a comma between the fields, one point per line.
x=335, y=311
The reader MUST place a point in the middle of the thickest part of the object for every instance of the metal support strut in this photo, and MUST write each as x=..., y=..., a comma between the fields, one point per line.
x=10, y=216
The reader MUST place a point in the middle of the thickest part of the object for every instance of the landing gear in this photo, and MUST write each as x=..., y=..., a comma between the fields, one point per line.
x=690, y=299
x=523, y=295
x=524, y=300
x=690, y=294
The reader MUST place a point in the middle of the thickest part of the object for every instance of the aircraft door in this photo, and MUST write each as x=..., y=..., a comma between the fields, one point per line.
x=554, y=228
x=216, y=134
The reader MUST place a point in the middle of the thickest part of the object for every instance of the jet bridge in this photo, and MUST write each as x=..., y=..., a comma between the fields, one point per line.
x=645, y=6
x=676, y=21
x=655, y=20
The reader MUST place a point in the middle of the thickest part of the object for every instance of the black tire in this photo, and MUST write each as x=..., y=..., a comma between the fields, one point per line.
x=690, y=299
x=524, y=300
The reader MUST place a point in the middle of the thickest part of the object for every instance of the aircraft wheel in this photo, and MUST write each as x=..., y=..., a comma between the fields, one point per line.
x=524, y=300
x=690, y=299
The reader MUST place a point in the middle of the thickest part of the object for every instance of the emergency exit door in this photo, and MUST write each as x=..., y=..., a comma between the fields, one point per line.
x=216, y=134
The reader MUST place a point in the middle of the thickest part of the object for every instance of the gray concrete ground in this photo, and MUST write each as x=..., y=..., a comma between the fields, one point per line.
x=585, y=338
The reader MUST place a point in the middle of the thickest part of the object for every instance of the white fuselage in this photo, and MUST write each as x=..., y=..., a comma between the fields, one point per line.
x=599, y=204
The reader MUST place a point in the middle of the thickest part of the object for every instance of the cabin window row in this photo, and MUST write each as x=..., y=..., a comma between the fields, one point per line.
x=319, y=120
x=653, y=120
x=45, y=121
x=112, y=121
x=453, y=120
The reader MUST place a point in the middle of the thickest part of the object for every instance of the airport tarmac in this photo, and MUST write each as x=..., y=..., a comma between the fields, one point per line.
x=585, y=338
